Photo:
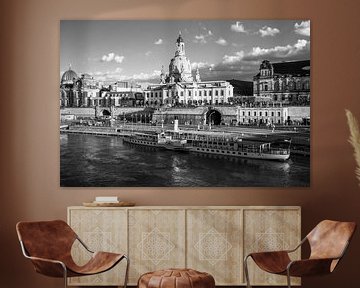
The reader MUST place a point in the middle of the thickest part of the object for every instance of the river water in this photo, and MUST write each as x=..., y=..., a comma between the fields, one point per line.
x=98, y=161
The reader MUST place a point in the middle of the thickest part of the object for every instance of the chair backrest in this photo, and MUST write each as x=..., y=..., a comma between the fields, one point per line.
x=329, y=239
x=46, y=239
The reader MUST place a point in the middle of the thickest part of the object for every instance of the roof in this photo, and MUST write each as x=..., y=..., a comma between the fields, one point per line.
x=295, y=68
x=300, y=68
x=242, y=87
x=69, y=75
x=226, y=111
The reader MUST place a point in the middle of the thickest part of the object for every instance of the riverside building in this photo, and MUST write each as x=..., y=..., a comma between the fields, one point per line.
x=179, y=87
x=283, y=82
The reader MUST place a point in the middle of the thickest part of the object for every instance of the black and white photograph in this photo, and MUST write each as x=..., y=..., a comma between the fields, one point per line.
x=190, y=103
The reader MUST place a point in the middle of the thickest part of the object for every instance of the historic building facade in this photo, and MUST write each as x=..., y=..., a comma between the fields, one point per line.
x=262, y=115
x=284, y=82
x=179, y=87
x=85, y=91
x=275, y=115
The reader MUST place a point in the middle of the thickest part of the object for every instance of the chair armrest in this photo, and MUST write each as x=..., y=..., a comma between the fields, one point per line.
x=49, y=267
x=309, y=267
x=298, y=246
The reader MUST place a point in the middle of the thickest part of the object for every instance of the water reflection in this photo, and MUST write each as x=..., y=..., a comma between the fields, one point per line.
x=88, y=160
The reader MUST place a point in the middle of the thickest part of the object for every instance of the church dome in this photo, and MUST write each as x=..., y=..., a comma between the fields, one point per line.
x=68, y=76
x=180, y=66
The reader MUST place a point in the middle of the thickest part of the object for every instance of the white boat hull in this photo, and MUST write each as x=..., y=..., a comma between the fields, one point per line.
x=252, y=155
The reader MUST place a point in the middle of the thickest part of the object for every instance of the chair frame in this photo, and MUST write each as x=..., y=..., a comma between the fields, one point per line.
x=26, y=255
x=288, y=276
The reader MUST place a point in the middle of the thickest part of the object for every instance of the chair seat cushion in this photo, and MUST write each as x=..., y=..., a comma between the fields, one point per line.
x=176, y=278
x=272, y=262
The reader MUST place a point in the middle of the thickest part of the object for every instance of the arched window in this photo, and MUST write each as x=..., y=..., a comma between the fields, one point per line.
x=306, y=85
x=276, y=86
x=291, y=85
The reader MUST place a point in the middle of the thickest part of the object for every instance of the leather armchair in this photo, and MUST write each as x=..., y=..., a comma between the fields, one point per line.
x=48, y=245
x=328, y=243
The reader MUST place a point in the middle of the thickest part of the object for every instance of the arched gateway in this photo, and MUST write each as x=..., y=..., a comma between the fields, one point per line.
x=213, y=117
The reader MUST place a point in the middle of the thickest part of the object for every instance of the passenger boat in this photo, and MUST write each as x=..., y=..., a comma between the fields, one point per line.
x=227, y=146
x=244, y=149
x=233, y=146
x=179, y=145
x=145, y=139
x=159, y=140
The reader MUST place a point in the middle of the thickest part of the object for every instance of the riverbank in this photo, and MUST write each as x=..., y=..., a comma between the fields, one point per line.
x=300, y=140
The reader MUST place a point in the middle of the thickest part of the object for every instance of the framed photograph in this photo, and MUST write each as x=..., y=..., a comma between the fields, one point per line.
x=190, y=103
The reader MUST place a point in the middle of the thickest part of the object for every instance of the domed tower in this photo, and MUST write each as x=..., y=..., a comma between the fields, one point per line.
x=180, y=67
x=180, y=46
x=70, y=87
x=69, y=78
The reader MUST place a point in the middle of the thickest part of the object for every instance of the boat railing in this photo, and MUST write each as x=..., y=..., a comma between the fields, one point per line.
x=277, y=151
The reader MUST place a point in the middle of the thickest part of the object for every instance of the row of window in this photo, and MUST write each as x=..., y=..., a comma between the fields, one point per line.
x=194, y=102
x=265, y=72
x=189, y=93
x=291, y=86
x=261, y=113
x=262, y=121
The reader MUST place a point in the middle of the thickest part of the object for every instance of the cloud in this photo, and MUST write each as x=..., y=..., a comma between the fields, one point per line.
x=119, y=59
x=200, y=65
x=202, y=38
x=238, y=27
x=112, y=57
x=245, y=64
x=233, y=58
x=116, y=75
x=147, y=53
x=268, y=31
x=303, y=28
x=203, y=27
x=158, y=42
x=221, y=41
x=145, y=76
x=281, y=52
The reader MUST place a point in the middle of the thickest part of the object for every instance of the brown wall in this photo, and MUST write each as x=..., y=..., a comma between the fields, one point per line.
x=29, y=123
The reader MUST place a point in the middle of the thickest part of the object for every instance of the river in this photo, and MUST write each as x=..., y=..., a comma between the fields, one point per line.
x=100, y=161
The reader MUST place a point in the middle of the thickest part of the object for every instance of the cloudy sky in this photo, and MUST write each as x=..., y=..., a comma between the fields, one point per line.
x=136, y=50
